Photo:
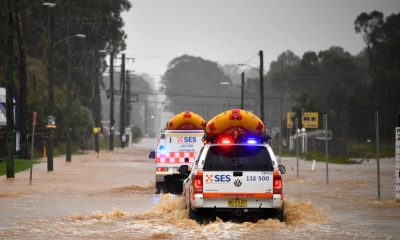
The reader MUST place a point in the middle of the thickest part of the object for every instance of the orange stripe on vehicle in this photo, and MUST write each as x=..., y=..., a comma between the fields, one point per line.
x=237, y=195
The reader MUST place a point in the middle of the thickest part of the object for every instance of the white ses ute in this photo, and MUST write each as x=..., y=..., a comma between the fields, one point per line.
x=234, y=179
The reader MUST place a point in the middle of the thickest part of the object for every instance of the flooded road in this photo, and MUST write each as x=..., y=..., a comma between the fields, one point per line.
x=112, y=197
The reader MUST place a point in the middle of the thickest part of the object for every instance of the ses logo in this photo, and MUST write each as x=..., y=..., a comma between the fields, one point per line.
x=186, y=139
x=218, y=178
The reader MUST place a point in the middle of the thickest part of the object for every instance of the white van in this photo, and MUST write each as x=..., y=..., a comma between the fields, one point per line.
x=174, y=149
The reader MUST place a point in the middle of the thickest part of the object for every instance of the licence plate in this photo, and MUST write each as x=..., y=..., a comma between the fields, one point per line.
x=237, y=203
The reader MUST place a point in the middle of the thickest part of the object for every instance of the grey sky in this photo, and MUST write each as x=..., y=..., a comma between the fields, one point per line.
x=232, y=31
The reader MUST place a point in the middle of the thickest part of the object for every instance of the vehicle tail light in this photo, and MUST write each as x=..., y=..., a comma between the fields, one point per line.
x=198, y=182
x=277, y=184
x=161, y=169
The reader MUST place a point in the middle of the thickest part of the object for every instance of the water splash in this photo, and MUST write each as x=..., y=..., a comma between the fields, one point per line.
x=97, y=215
x=149, y=189
x=298, y=212
x=170, y=210
x=389, y=203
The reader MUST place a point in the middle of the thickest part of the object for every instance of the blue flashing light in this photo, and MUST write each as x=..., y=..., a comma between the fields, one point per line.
x=252, y=141
x=162, y=149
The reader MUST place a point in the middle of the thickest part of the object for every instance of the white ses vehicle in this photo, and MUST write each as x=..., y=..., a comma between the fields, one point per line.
x=234, y=179
x=174, y=149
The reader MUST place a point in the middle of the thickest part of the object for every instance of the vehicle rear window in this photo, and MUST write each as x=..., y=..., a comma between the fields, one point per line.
x=238, y=158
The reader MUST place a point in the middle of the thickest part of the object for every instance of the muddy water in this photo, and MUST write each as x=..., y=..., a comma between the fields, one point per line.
x=112, y=197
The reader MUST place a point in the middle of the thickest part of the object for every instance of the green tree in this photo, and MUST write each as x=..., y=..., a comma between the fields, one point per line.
x=99, y=20
x=194, y=84
x=382, y=39
x=329, y=82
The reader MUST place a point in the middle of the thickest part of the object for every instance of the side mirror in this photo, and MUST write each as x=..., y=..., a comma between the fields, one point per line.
x=282, y=169
x=184, y=170
x=152, y=154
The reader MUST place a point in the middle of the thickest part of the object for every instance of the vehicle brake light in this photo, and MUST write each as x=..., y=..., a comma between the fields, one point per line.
x=162, y=169
x=277, y=184
x=198, y=182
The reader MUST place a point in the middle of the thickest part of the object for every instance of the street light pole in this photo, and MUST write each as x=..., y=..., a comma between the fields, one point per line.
x=242, y=93
x=261, y=85
x=112, y=101
x=122, y=108
x=50, y=94
x=280, y=113
x=68, y=125
x=9, y=61
x=68, y=151
x=97, y=102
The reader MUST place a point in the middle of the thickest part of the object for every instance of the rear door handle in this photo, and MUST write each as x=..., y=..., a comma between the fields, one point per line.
x=237, y=174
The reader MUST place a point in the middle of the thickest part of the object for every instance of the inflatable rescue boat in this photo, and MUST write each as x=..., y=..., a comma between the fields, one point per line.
x=236, y=123
x=186, y=121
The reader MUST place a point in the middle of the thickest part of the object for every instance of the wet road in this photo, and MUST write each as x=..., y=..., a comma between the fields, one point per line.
x=112, y=197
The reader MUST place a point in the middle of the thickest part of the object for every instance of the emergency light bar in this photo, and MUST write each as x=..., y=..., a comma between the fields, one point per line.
x=251, y=141
x=226, y=140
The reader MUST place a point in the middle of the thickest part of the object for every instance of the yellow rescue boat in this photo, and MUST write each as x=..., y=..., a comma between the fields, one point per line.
x=236, y=123
x=186, y=121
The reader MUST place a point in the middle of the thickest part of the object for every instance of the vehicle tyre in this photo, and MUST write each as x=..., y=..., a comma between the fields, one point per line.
x=196, y=215
x=280, y=214
x=208, y=216
x=160, y=187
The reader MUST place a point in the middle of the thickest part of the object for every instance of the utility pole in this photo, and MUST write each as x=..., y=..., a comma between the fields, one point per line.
x=68, y=151
x=242, y=92
x=122, y=108
x=280, y=114
x=9, y=67
x=50, y=94
x=326, y=147
x=296, y=128
x=23, y=115
x=128, y=100
x=97, y=101
x=112, y=101
x=146, y=112
x=378, y=172
x=261, y=85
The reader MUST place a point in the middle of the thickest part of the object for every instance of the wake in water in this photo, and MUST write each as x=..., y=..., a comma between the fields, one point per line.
x=97, y=215
x=149, y=189
x=171, y=211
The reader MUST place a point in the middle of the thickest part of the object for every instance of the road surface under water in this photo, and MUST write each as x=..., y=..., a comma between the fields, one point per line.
x=112, y=197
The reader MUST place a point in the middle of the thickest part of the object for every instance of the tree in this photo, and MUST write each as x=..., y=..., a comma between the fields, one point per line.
x=194, y=84
x=99, y=20
x=330, y=82
x=382, y=39
x=368, y=25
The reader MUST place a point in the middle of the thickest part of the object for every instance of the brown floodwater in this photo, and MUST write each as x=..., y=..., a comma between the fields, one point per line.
x=113, y=197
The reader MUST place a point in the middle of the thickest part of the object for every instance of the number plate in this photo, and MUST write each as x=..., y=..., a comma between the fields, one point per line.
x=237, y=203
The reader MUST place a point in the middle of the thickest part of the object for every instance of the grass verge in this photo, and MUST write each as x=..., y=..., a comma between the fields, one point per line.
x=19, y=165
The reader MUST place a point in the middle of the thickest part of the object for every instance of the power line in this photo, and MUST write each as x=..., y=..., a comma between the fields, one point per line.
x=255, y=55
